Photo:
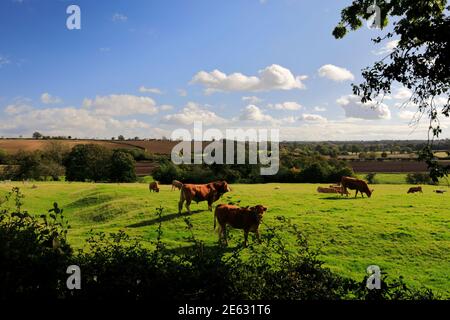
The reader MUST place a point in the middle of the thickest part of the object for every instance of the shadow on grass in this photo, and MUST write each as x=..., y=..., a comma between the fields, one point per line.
x=343, y=198
x=164, y=218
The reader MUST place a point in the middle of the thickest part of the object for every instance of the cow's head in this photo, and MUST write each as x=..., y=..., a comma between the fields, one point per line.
x=221, y=187
x=369, y=193
x=259, y=211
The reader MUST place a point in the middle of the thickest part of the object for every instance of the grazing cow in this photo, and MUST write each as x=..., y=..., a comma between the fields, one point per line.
x=153, y=186
x=210, y=192
x=176, y=185
x=355, y=184
x=415, y=189
x=440, y=191
x=327, y=190
x=246, y=218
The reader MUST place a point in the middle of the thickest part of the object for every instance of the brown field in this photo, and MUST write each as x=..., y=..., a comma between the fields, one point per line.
x=154, y=146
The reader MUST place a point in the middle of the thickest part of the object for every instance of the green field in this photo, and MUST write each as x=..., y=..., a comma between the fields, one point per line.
x=406, y=235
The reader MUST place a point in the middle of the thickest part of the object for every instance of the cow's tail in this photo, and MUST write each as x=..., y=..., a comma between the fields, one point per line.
x=215, y=218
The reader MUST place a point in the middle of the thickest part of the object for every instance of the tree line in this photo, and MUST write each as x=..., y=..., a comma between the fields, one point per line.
x=84, y=162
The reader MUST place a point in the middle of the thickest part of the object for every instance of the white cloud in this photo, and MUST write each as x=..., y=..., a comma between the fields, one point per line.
x=313, y=117
x=166, y=107
x=371, y=110
x=119, y=17
x=121, y=105
x=335, y=73
x=3, y=61
x=387, y=48
x=320, y=109
x=182, y=92
x=194, y=112
x=17, y=107
x=402, y=93
x=288, y=105
x=252, y=99
x=274, y=77
x=143, y=89
x=253, y=113
x=47, y=98
x=407, y=115
x=78, y=122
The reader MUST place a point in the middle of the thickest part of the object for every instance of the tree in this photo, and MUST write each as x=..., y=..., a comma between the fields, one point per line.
x=420, y=61
x=122, y=167
x=88, y=162
x=37, y=135
x=121, y=138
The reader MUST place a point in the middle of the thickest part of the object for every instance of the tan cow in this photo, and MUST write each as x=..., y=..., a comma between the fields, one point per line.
x=153, y=186
x=247, y=219
x=176, y=185
x=210, y=192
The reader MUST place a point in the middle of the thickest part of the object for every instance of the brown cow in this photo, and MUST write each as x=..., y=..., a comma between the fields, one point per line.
x=210, y=192
x=415, y=189
x=153, y=186
x=176, y=185
x=440, y=191
x=327, y=190
x=355, y=184
x=247, y=219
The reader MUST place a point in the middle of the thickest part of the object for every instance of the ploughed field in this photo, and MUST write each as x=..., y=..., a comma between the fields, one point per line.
x=404, y=234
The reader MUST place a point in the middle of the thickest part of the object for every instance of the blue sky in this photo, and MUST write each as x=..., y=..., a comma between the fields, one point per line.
x=145, y=68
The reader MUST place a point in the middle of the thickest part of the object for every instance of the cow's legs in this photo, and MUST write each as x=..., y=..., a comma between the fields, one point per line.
x=188, y=203
x=224, y=233
x=180, y=203
x=257, y=235
x=209, y=205
x=356, y=193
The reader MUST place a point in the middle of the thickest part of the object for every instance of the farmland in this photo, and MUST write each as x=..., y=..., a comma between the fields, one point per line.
x=406, y=235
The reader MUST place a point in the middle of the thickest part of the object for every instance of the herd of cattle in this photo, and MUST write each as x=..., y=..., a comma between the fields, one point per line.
x=249, y=218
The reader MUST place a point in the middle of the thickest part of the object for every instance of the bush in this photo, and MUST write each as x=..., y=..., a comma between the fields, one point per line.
x=418, y=178
x=122, y=167
x=34, y=253
x=88, y=162
x=370, y=177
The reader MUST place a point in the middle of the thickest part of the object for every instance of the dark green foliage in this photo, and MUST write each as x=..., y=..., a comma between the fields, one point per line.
x=418, y=178
x=122, y=167
x=370, y=177
x=88, y=162
x=34, y=253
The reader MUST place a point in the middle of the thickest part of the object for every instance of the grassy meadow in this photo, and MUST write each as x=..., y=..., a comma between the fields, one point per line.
x=406, y=235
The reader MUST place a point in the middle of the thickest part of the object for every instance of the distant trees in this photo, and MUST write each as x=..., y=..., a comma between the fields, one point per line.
x=370, y=177
x=37, y=135
x=122, y=167
x=91, y=162
x=418, y=178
